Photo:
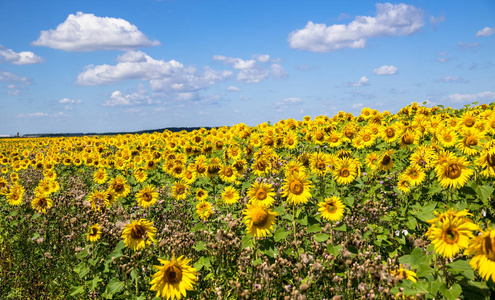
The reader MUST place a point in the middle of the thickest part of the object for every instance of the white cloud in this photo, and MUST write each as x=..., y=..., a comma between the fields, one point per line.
x=87, y=32
x=391, y=20
x=485, y=97
x=40, y=114
x=69, y=101
x=487, y=31
x=356, y=105
x=21, y=58
x=139, y=97
x=363, y=81
x=451, y=79
x=284, y=104
x=233, y=89
x=254, y=70
x=9, y=77
x=385, y=70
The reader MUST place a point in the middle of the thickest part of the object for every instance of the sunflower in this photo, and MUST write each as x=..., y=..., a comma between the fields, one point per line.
x=297, y=188
x=451, y=234
x=294, y=167
x=204, y=209
x=334, y=139
x=407, y=139
x=319, y=163
x=424, y=156
x=487, y=162
x=331, y=209
x=3, y=186
x=100, y=176
x=41, y=203
x=173, y=278
x=98, y=199
x=230, y=195
x=138, y=233
x=454, y=172
x=94, y=233
x=147, y=196
x=15, y=195
x=229, y=174
x=470, y=138
x=345, y=171
x=372, y=160
x=201, y=194
x=386, y=162
x=483, y=248
x=259, y=220
x=140, y=175
x=261, y=194
x=402, y=273
x=180, y=190
x=260, y=167
x=447, y=137
x=119, y=186
x=403, y=184
x=415, y=175
x=290, y=140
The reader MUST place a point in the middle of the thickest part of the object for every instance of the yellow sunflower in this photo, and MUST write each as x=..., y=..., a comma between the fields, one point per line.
x=41, y=203
x=147, y=196
x=173, y=278
x=3, y=186
x=201, y=194
x=297, y=188
x=403, y=184
x=451, y=235
x=402, y=273
x=259, y=220
x=294, y=167
x=454, y=173
x=100, y=176
x=94, y=233
x=331, y=209
x=319, y=163
x=372, y=160
x=483, y=249
x=470, y=138
x=204, y=209
x=487, y=162
x=386, y=162
x=345, y=171
x=98, y=199
x=230, y=195
x=180, y=190
x=261, y=194
x=138, y=234
x=15, y=195
x=119, y=186
x=228, y=174
x=414, y=174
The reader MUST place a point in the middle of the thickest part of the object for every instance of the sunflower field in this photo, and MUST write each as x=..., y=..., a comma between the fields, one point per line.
x=375, y=206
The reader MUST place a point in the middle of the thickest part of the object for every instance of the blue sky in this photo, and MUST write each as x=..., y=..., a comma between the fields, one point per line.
x=102, y=66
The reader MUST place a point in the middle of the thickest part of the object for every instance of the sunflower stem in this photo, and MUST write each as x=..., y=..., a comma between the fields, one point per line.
x=294, y=225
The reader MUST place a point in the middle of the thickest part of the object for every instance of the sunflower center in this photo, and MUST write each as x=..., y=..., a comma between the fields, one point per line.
x=408, y=139
x=490, y=159
x=453, y=171
x=366, y=137
x=229, y=172
x=319, y=136
x=261, y=194
x=94, y=231
x=447, y=138
x=229, y=195
x=321, y=166
x=180, y=190
x=296, y=187
x=138, y=232
x=450, y=236
x=471, y=141
x=386, y=160
x=173, y=274
x=147, y=197
x=259, y=217
x=15, y=196
x=345, y=172
x=469, y=122
x=119, y=187
x=334, y=139
x=414, y=174
x=42, y=202
x=489, y=247
x=330, y=207
x=290, y=142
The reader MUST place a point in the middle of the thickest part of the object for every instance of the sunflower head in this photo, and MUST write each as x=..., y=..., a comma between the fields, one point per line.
x=259, y=220
x=173, y=278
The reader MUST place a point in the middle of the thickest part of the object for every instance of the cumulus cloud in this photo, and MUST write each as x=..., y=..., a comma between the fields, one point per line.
x=385, y=70
x=485, y=97
x=9, y=77
x=139, y=97
x=363, y=81
x=87, y=32
x=254, y=70
x=284, y=104
x=452, y=79
x=21, y=58
x=487, y=31
x=390, y=20
x=233, y=89
x=69, y=101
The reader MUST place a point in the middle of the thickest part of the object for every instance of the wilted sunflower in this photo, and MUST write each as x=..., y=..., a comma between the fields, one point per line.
x=331, y=209
x=261, y=194
x=345, y=171
x=119, y=186
x=297, y=188
x=15, y=195
x=173, y=278
x=41, y=203
x=230, y=195
x=259, y=220
x=204, y=209
x=147, y=196
x=94, y=233
x=139, y=233
x=402, y=274
x=454, y=172
x=100, y=176
x=451, y=234
x=483, y=248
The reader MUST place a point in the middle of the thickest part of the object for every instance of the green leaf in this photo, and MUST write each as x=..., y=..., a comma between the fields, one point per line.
x=198, y=226
x=335, y=250
x=200, y=246
x=134, y=274
x=411, y=223
x=76, y=290
x=116, y=253
x=424, y=269
x=463, y=267
x=321, y=237
x=349, y=201
x=95, y=281
x=247, y=241
x=203, y=261
x=342, y=227
x=113, y=286
x=314, y=228
x=281, y=234
x=453, y=293
x=484, y=192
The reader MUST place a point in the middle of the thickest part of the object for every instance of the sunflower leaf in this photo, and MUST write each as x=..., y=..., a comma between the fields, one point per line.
x=281, y=234
x=321, y=237
x=114, y=286
x=76, y=290
x=314, y=228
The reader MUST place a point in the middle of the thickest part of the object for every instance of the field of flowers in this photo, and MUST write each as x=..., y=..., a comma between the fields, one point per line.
x=375, y=206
